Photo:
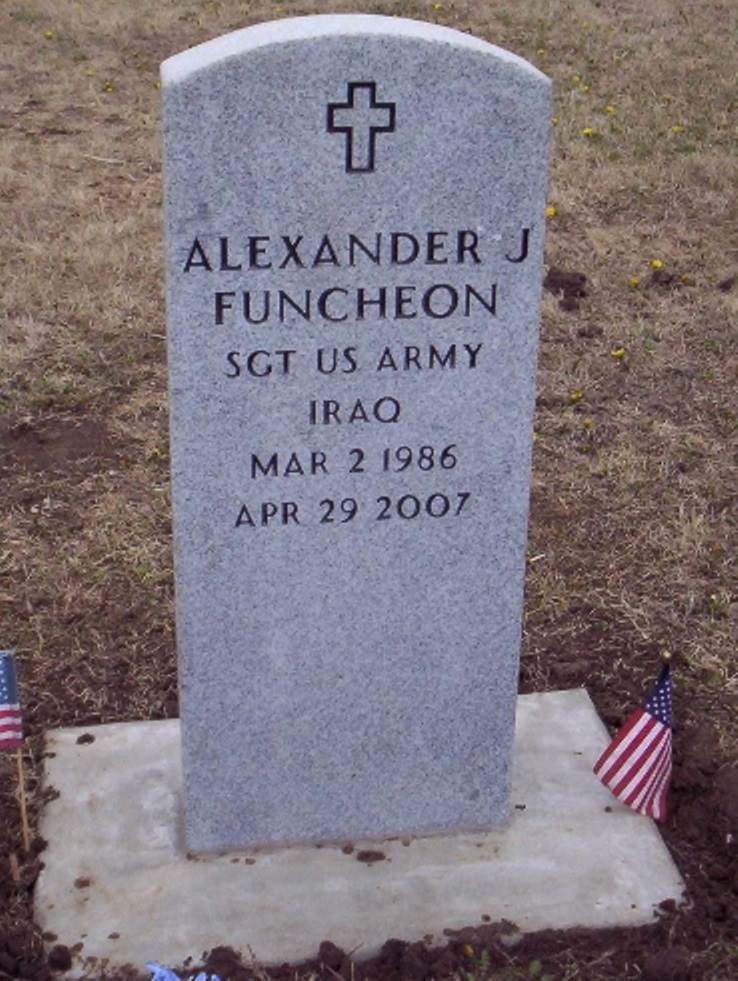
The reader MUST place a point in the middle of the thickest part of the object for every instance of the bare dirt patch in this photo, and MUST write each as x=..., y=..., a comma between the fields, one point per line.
x=632, y=541
x=63, y=446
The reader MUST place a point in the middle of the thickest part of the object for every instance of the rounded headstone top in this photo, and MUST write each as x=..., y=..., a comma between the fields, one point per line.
x=180, y=66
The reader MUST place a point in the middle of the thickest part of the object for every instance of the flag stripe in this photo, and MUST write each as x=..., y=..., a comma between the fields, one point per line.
x=642, y=781
x=630, y=736
x=653, y=796
x=11, y=723
x=11, y=720
x=636, y=780
x=636, y=766
x=612, y=759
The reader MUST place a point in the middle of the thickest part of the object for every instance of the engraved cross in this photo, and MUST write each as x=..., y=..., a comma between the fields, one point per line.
x=360, y=118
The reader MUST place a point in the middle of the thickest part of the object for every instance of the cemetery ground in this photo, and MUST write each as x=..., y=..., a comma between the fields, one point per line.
x=632, y=537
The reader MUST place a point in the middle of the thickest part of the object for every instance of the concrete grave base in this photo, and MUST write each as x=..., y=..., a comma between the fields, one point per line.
x=116, y=882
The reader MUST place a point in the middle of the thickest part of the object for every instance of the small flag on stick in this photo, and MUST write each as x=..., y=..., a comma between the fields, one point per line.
x=636, y=766
x=11, y=721
x=11, y=732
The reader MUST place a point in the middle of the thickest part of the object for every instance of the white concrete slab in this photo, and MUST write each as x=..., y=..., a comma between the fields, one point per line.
x=116, y=882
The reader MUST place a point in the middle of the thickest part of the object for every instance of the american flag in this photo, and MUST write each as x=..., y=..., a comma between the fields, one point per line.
x=636, y=766
x=11, y=721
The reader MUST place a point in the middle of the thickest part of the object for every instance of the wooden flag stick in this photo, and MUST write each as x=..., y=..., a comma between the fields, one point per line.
x=22, y=800
x=14, y=868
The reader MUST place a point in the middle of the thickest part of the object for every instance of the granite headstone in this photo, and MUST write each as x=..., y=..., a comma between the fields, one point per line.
x=355, y=221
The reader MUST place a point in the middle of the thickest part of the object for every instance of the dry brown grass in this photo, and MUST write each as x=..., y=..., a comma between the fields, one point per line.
x=632, y=539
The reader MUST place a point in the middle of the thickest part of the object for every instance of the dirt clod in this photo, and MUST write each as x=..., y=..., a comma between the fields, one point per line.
x=60, y=958
x=370, y=855
x=668, y=965
x=569, y=286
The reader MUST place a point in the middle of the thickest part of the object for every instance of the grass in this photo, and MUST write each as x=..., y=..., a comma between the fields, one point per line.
x=632, y=538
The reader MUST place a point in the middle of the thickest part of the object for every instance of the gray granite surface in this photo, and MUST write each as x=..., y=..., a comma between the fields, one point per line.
x=355, y=220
